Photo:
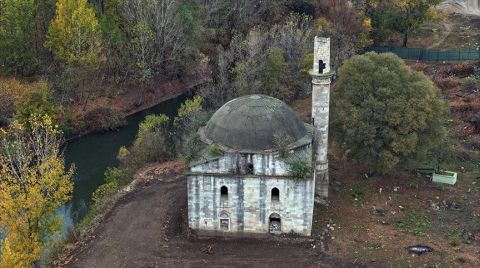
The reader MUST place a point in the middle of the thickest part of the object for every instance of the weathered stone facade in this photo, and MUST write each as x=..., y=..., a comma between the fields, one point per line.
x=249, y=205
x=251, y=185
x=321, y=80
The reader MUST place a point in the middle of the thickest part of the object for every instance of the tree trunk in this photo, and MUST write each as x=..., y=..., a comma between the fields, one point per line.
x=405, y=38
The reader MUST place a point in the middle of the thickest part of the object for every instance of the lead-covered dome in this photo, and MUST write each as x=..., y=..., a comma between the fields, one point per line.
x=254, y=123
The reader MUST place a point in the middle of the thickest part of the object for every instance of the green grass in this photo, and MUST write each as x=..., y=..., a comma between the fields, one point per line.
x=415, y=223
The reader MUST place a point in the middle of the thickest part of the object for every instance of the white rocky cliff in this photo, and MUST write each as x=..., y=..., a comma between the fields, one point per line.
x=468, y=7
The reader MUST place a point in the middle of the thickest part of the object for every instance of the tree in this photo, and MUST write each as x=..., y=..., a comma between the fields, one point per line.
x=339, y=20
x=154, y=141
x=397, y=16
x=11, y=90
x=74, y=37
x=276, y=74
x=37, y=101
x=384, y=113
x=74, y=34
x=34, y=185
x=268, y=57
x=17, y=36
x=175, y=27
x=408, y=15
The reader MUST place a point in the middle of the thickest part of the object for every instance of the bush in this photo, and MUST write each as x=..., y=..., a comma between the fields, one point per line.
x=446, y=83
x=358, y=189
x=154, y=142
x=104, y=119
x=470, y=84
x=39, y=101
x=299, y=166
x=214, y=150
x=103, y=195
x=190, y=118
x=10, y=91
x=193, y=146
x=463, y=69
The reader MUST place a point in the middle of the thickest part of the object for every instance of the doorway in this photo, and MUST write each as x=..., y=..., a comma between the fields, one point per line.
x=275, y=224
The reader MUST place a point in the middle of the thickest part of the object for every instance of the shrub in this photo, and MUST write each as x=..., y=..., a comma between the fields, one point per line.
x=446, y=83
x=214, y=151
x=104, y=119
x=187, y=114
x=103, y=195
x=10, y=91
x=193, y=146
x=358, y=189
x=463, y=69
x=190, y=118
x=154, y=142
x=299, y=166
x=470, y=84
x=39, y=101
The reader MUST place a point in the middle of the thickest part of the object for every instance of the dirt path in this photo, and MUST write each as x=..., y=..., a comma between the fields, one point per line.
x=147, y=228
x=448, y=30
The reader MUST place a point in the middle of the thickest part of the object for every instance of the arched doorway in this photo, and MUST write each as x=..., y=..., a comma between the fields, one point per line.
x=274, y=224
x=224, y=222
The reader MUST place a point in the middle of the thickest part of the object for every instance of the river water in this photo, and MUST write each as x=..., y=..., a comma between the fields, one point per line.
x=92, y=154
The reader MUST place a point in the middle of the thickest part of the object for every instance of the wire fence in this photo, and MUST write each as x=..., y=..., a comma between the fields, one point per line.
x=430, y=54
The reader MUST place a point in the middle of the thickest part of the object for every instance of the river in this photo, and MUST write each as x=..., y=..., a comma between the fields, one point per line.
x=92, y=154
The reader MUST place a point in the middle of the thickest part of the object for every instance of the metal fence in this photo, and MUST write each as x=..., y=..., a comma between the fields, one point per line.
x=430, y=54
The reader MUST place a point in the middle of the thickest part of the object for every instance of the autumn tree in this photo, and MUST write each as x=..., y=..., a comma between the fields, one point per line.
x=38, y=100
x=11, y=90
x=191, y=116
x=397, y=16
x=269, y=58
x=347, y=28
x=74, y=37
x=34, y=185
x=167, y=34
x=408, y=15
x=384, y=113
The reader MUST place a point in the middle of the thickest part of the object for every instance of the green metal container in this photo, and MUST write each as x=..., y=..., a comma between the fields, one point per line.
x=447, y=177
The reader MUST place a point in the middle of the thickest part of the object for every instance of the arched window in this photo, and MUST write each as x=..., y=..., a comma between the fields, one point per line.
x=224, y=193
x=275, y=194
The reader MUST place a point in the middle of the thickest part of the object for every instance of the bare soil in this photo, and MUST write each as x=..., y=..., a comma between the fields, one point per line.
x=148, y=228
x=376, y=218
x=360, y=227
x=456, y=31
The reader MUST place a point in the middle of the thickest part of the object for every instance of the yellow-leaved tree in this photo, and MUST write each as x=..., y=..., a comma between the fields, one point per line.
x=75, y=38
x=74, y=35
x=33, y=185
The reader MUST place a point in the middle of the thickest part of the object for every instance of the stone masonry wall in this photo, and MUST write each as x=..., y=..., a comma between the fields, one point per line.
x=321, y=52
x=263, y=164
x=320, y=113
x=249, y=203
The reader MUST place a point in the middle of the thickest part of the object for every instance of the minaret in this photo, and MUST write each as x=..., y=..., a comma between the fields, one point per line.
x=321, y=80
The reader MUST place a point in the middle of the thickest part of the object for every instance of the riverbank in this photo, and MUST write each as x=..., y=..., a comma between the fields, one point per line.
x=90, y=118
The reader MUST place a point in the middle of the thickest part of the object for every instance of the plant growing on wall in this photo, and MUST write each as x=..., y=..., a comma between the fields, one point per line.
x=299, y=166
